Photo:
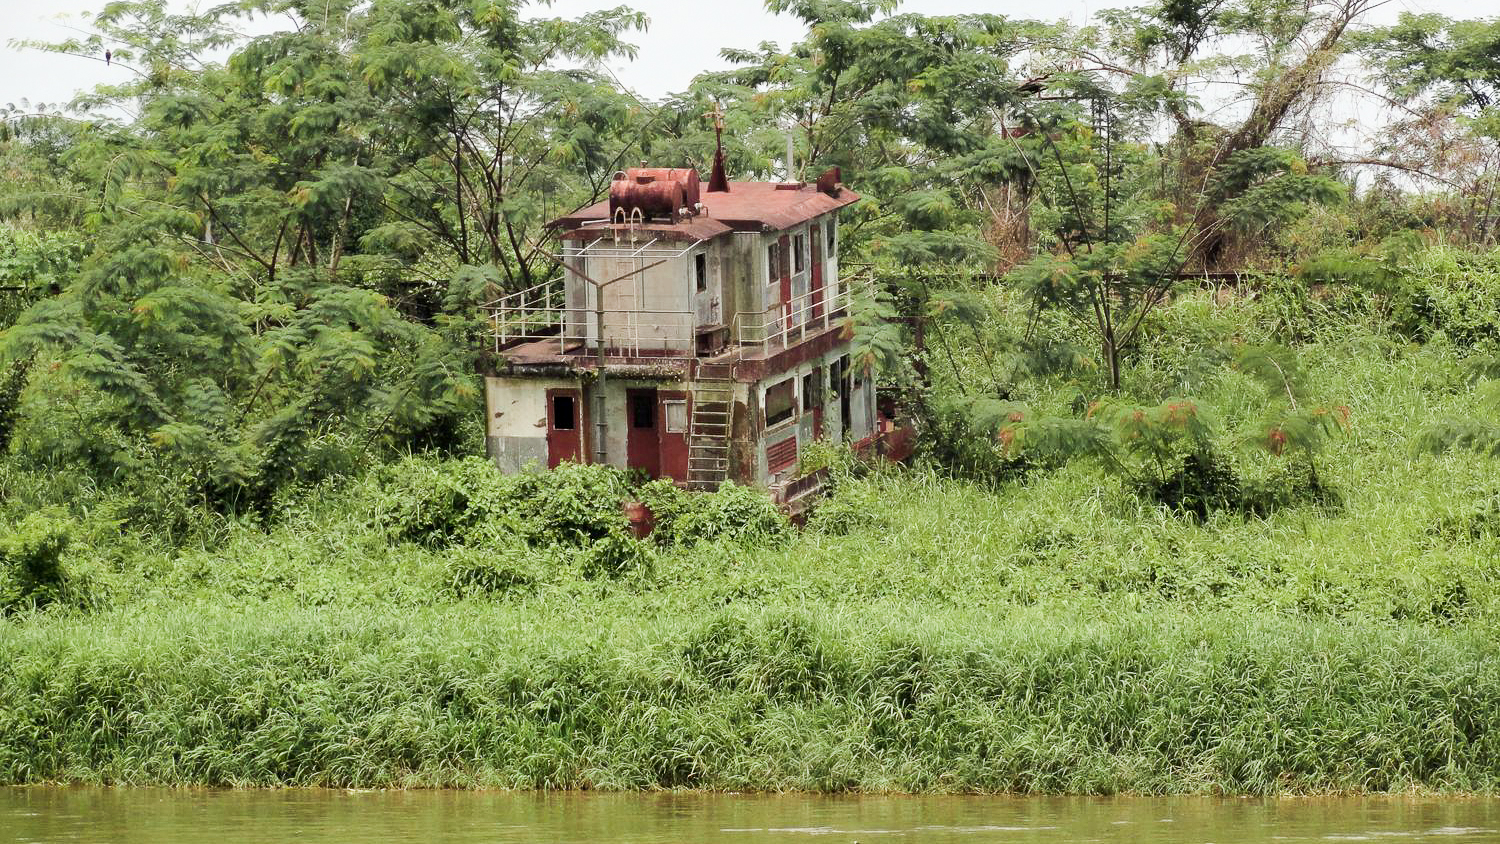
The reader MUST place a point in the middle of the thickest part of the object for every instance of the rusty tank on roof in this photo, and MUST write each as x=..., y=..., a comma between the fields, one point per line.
x=655, y=191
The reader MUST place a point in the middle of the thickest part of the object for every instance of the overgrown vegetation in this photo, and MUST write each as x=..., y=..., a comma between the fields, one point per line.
x=1205, y=500
x=1057, y=628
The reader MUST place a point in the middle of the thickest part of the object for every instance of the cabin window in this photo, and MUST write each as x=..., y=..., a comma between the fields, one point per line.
x=812, y=389
x=781, y=402
x=831, y=227
x=799, y=253
x=674, y=414
x=642, y=410
x=700, y=271
x=564, y=413
x=773, y=261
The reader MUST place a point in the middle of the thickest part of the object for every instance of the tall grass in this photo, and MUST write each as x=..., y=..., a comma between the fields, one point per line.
x=1050, y=631
x=885, y=697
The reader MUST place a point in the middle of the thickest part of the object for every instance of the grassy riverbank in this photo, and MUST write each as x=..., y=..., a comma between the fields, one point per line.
x=887, y=697
x=1047, y=629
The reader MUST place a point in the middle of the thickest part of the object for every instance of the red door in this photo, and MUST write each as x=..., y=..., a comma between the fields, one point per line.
x=642, y=432
x=564, y=427
x=814, y=234
x=672, y=416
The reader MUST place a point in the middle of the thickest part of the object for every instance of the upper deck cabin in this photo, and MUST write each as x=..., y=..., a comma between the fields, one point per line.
x=670, y=269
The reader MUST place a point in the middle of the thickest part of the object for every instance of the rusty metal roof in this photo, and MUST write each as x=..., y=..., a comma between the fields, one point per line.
x=747, y=206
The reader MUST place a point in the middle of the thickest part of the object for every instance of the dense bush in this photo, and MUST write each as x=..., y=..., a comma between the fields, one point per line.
x=1441, y=292
x=850, y=508
x=489, y=572
x=31, y=563
x=442, y=503
x=732, y=513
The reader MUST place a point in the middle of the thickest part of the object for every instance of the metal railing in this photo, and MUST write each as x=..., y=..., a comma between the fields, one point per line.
x=538, y=312
x=786, y=323
x=542, y=314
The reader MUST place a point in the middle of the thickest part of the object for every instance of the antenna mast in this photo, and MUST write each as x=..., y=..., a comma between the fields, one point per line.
x=717, y=181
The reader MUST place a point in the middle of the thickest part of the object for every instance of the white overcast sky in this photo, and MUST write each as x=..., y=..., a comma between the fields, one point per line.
x=683, y=39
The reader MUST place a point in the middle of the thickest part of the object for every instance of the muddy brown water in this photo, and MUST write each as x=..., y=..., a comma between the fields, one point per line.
x=167, y=816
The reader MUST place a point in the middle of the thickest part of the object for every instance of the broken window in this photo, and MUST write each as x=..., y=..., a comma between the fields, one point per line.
x=773, y=260
x=674, y=413
x=564, y=413
x=642, y=410
x=700, y=270
x=781, y=402
x=812, y=389
x=799, y=253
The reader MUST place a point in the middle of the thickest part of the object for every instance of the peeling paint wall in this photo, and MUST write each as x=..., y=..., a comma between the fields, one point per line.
x=516, y=420
x=803, y=429
x=862, y=408
x=744, y=448
x=742, y=270
x=736, y=271
x=614, y=416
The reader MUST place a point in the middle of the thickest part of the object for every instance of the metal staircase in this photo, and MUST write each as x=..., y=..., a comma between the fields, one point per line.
x=708, y=432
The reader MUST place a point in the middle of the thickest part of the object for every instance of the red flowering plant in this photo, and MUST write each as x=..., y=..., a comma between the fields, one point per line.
x=1172, y=452
x=1294, y=424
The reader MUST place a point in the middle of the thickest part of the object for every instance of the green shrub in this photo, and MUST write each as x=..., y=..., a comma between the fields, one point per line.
x=950, y=440
x=839, y=459
x=468, y=502
x=731, y=513
x=569, y=505
x=474, y=573
x=1202, y=483
x=1449, y=293
x=853, y=506
x=31, y=568
x=429, y=503
x=614, y=555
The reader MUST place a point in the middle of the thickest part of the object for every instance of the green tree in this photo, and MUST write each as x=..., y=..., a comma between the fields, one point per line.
x=1276, y=54
x=1448, y=74
x=288, y=246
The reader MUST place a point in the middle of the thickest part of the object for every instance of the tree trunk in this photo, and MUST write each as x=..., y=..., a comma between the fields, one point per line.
x=1271, y=108
x=1110, y=351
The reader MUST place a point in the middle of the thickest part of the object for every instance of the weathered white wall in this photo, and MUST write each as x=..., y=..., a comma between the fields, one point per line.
x=708, y=304
x=862, y=409
x=667, y=289
x=516, y=420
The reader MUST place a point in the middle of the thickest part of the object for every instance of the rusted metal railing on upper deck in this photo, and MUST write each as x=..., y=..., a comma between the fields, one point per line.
x=542, y=313
x=784, y=324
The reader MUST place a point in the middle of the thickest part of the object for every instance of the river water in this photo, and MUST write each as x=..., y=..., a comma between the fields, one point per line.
x=162, y=816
